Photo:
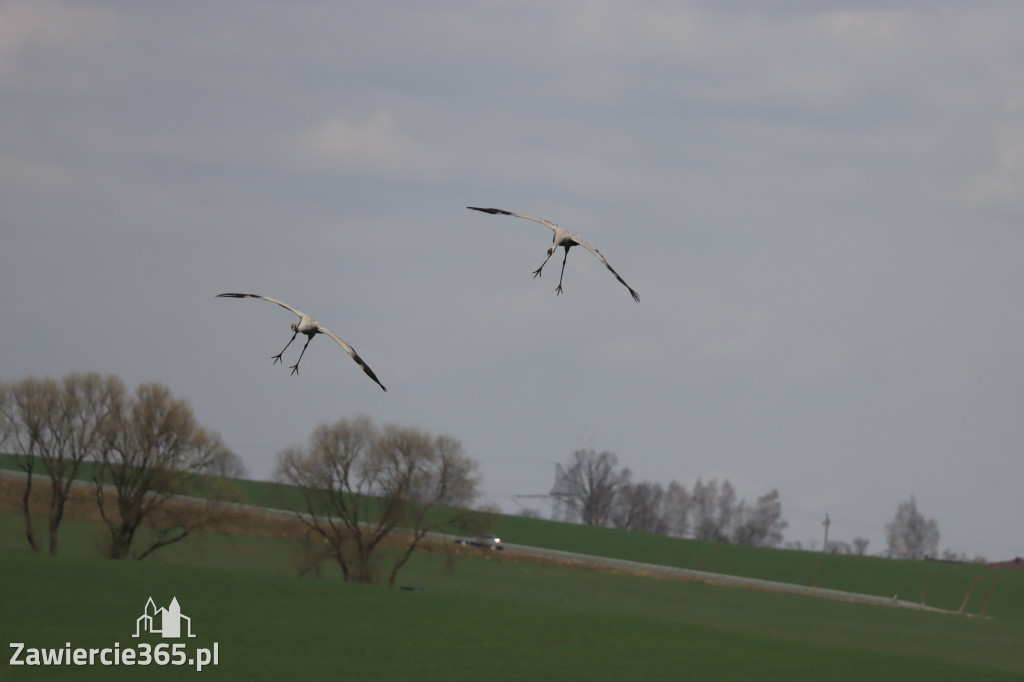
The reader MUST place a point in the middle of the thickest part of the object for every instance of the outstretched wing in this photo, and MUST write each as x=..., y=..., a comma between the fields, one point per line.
x=265, y=298
x=577, y=240
x=593, y=250
x=498, y=211
x=352, y=351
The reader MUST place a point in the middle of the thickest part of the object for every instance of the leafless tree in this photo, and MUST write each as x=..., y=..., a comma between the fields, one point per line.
x=762, y=524
x=718, y=517
x=59, y=425
x=362, y=486
x=226, y=464
x=438, y=473
x=962, y=557
x=860, y=545
x=728, y=510
x=677, y=510
x=704, y=508
x=86, y=405
x=593, y=483
x=23, y=408
x=638, y=506
x=153, y=449
x=910, y=535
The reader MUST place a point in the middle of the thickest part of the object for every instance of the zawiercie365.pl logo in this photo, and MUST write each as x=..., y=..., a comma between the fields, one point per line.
x=169, y=623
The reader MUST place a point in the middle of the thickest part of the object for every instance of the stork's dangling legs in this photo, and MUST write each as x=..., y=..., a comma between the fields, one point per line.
x=558, y=289
x=295, y=367
x=566, y=240
x=536, y=273
x=310, y=327
x=277, y=358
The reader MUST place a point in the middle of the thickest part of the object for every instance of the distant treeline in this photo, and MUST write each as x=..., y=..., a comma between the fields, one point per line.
x=590, y=488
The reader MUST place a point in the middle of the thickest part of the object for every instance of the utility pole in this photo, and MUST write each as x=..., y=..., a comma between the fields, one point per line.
x=827, y=522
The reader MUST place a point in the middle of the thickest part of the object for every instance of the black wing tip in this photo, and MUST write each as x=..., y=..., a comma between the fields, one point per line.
x=237, y=295
x=636, y=296
x=375, y=379
x=373, y=376
x=367, y=370
x=492, y=211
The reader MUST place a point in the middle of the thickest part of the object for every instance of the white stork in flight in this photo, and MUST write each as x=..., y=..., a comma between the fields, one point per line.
x=310, y=327
x=566, y=240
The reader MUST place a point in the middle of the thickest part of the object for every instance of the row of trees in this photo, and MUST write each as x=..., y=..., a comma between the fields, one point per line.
x=596, y=492
x=139, y=449
x=361, y=488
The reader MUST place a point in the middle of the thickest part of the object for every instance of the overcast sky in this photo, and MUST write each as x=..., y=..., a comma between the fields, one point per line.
x=821, y=205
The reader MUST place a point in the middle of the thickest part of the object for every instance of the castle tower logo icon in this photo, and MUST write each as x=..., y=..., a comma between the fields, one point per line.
x=166, y=622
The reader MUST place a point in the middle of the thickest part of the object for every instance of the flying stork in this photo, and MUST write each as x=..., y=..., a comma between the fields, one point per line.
x=562, y=238
x=310, y=327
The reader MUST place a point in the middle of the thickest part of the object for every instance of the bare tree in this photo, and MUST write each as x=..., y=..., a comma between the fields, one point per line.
x=226, y=464
x=677, y=510
x=593, y=483
x=638, y=506
x=962, y=557
x=85, y=406
x=704, y=507
x=153, y=449
x=438, y=473
x=860, y=545
x=335, y=485
x=728, y=510
x=361, y=486
x=57, y=425
x=761, y=525
x=910, y=535
x=24, y=406
x=718, y=517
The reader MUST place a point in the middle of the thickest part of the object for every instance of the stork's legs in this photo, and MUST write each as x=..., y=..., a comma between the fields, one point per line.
x=536, y=273
x=277, y=358
x=558, y=289
x=295, y=367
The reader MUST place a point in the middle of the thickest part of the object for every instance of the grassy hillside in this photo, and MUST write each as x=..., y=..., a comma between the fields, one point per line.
x=488, y=615
x=489, y=619
x=973, y=588
x=942, y=585
x=976, y=588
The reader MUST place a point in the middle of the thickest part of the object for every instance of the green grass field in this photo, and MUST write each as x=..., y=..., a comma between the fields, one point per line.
x=488, y=620
x=485, y=618
x=942, y=585
x=976, y=589
x=493, y=615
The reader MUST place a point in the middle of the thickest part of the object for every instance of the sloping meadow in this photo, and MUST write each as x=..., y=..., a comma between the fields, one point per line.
x=485, y=617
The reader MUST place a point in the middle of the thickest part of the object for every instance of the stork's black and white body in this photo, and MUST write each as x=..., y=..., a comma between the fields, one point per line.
x=566, y=240
x=310, y=327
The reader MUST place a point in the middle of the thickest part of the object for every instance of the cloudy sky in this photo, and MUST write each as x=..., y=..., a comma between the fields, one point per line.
x=820, y=205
